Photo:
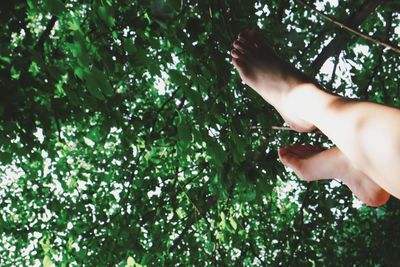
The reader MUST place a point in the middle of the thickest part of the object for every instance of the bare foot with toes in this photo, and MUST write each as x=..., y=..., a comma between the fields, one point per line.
x=271, y=77
x=304, y=105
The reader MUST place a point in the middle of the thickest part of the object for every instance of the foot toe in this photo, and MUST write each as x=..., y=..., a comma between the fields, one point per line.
x=238, y=63
x=235, y=53
x=243, y=48
x=250, y=44
x=290, y=159
x=245, y=41
x=305, y=150
x=287, y=156
x=242, y=37
x=252, y=36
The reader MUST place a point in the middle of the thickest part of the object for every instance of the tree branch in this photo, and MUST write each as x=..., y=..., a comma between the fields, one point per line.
x=60, y=139
x=364, y=90
x=46, y=33
x=354, y=20
x=334, y=72
x=168, y=100
x=178, y=240
x=300, y=54
x=304, y=203
x=282, y=128
x=282, y=5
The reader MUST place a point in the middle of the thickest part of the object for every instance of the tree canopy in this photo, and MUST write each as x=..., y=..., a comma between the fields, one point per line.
x=127, y=138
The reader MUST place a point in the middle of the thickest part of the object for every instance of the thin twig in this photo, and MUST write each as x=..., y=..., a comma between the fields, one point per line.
x=333, y=76
x=279, y=128
x=210, y=10
x=282, y=5
x=168, y=100
x=282, y=128
x=60, y=139
x=348, y=28
x=364, y=90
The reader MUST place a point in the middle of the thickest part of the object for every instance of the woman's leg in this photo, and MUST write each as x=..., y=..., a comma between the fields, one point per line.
x=368, y=134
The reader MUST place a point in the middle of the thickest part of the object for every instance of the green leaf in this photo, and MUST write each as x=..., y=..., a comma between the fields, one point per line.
x=15, y=74
x=5, y=158
x=238, y=147
x=106, y=14
x=177, y=77
x=80, y=72
x=193, y=96
x=145, y=259
x=45, y=243
x=263, y=119
x=216, y=152
x=249, y=196
x=103, y=82
x=223, y=220
x=129, y=47
x=78, y=49
x=93, y=86
x=55, y=7
x=181, y=214
x=232, y=223
x=72, y=184
x=184, y=132
x=5, y=59
x=72, y=96
x=47, y=261
x=220, y=237
x=130, y=262
x=74, y=25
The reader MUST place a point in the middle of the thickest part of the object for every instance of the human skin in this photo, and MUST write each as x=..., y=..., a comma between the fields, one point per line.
x=367, y=135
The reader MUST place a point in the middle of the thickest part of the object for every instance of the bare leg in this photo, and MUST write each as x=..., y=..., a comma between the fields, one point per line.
x=311, y=163
x=367, y=134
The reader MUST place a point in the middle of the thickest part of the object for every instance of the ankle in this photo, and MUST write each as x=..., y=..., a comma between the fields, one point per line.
x=308, y=102
x=298, y=99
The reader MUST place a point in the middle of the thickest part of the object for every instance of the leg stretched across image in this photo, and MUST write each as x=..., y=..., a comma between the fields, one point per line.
x=367, y=135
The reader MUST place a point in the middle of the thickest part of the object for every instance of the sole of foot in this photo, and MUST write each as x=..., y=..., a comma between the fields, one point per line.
x=271, y=77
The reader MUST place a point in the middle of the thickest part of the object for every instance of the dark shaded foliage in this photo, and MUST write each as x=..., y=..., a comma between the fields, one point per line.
x=155, y=153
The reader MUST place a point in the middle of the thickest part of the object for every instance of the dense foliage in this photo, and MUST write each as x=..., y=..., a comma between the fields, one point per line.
x=126, y=137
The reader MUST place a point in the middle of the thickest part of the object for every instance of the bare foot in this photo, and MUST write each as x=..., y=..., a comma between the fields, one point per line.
x=271, y=77
x=311, y=163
